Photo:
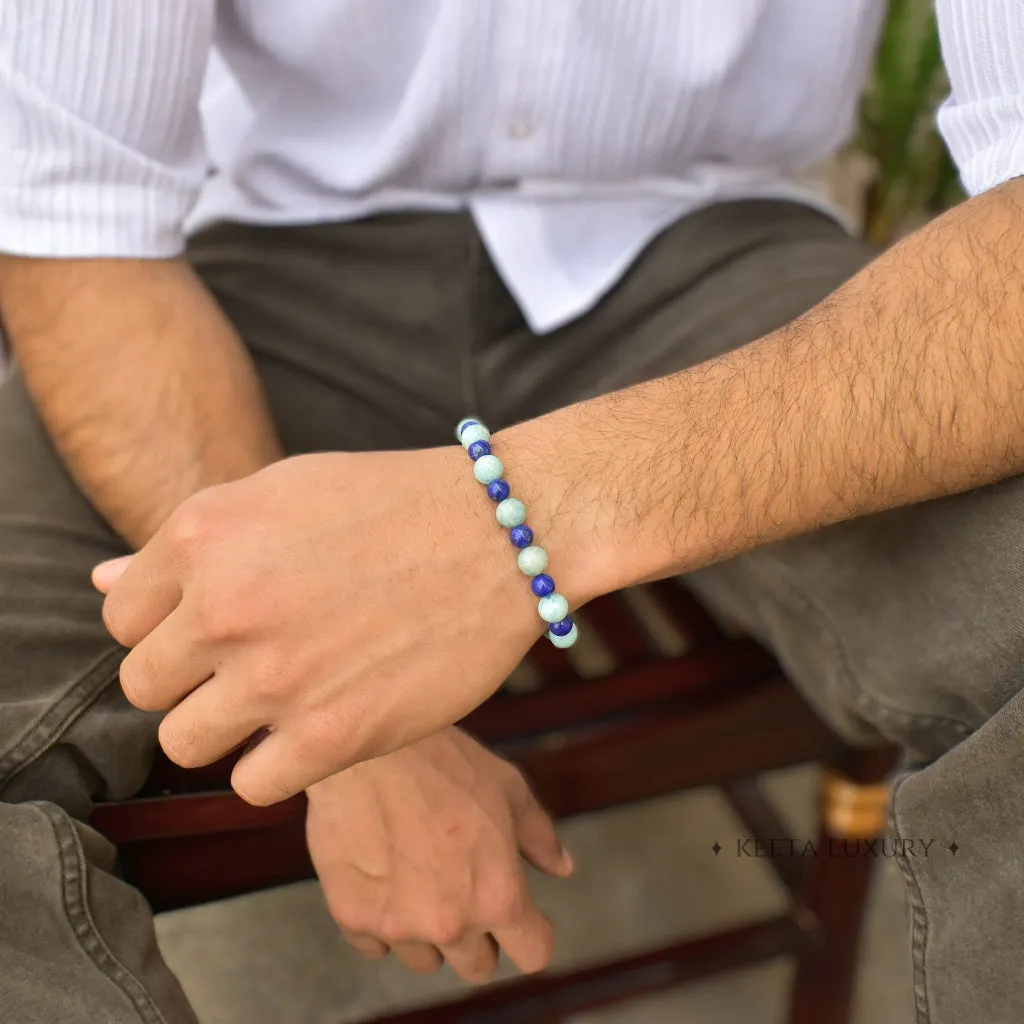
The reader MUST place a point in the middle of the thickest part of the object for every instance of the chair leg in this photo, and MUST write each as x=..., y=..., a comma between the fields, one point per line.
x=854, y=805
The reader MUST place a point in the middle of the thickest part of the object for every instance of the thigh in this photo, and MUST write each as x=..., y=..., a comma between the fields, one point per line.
x=359, y=330
x=57, y=660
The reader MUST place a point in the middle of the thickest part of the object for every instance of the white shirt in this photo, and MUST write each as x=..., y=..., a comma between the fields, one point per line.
x=572, y=130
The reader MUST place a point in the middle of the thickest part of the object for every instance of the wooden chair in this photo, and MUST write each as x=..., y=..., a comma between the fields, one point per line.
x=718, y=713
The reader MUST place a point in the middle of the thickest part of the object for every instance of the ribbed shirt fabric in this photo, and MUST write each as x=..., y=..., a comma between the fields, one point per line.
x=573, y=130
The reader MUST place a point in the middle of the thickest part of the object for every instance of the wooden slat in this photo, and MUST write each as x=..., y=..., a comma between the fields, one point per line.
x=552, y=998
x=687, y=614
x=190, y=870
x=192, y=814
x=616, y=623
x=756, y=812
x=759, y=729
x=552, y=663
x=625, y=692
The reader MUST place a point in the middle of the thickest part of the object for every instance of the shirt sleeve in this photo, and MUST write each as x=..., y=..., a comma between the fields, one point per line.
x=982, y=121
x=101, y=144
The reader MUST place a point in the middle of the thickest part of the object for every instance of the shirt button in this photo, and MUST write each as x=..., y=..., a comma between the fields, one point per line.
x=520, y=127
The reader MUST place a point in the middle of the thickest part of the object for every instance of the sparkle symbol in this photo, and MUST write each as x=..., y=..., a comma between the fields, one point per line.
x=716, y=848
x=953, y=848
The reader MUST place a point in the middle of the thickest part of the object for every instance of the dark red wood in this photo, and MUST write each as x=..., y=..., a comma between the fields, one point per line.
x=612, y=618
x=553, y=664
x=626, y=692
x=837, y=896
x=754, y=810
x=185, y=871
x=551, y=998
x=760, y=729
x=688, y=615
x=191, y=814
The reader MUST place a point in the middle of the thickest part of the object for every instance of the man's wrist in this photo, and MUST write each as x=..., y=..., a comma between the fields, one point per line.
x=581, y=515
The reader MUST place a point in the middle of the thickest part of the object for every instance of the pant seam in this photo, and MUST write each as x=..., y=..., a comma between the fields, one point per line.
x=59, y=716
x=918, y=918
x=74, y=886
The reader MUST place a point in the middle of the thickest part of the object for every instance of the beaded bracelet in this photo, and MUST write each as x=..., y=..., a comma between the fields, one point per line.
x=511, y=514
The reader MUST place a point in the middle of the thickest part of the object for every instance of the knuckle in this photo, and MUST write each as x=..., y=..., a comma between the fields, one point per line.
x=182, y=742
x=217, y=617
x=444, y=927
x=515, y=780
x=502, y=901
x=137, y=675
x=190, y=525
x=329, y=741
x=352, y=918
x=268, y=681
x=117, y=619
x=542, y=951
x=396, y=931
x=256, y=789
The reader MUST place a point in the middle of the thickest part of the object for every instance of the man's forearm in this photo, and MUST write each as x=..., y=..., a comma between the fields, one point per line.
x=141, y=381
x=905, y=384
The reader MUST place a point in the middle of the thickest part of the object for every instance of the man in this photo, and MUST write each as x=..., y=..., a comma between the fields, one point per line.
x=427, y=210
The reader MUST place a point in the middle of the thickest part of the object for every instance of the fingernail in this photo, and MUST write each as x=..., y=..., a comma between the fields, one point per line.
x=106, y=574
x=567, y=861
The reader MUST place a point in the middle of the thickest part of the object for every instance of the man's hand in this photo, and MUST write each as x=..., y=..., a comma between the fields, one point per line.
x=418, y=852
x=340, y=605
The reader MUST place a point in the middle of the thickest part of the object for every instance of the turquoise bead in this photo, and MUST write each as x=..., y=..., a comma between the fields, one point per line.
x=532, y=560
x=564, y=641
x=553, y=608
x=510, y=512
x=462, y=423
x=474, y=432
x=487, y=468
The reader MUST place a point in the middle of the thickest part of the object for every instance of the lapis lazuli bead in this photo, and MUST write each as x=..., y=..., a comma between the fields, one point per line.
x=542, y=585
x=468, y=421
x=473, y=432
x=561, y=628
x=498, y=490
x=478, y=448
x=488, y=468
x=564, y=641
x=521, y=536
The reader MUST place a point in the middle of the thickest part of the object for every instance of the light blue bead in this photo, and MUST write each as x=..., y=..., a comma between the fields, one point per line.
x=564, y=641
x=474, y=432
x=487, y=468
x=532, y=560
x=553, y=608
x=462, y=423
x=510, y=512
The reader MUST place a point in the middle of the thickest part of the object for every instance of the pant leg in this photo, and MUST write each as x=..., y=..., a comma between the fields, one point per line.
x=359, y=334
x=907, y=625
x=76, y=945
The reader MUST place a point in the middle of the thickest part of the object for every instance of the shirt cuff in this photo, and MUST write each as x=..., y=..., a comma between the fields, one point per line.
x=986, y=140
x=82, y=219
